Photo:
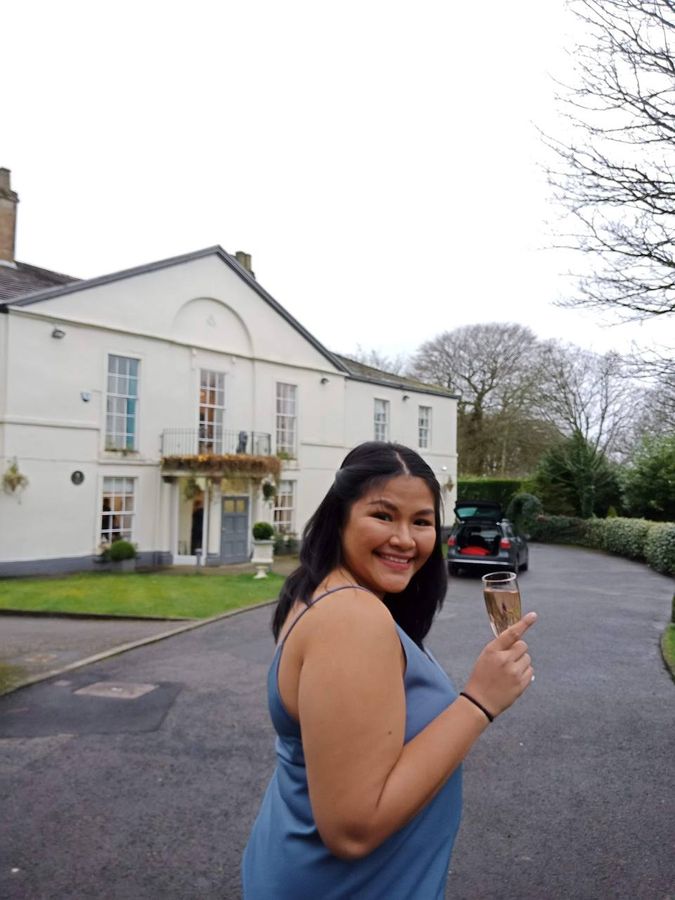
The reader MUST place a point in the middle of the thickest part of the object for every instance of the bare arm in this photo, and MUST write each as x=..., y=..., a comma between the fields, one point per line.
x=364, y=783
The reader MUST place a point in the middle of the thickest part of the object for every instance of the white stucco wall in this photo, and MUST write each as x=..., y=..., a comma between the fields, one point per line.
x=441, y=454
x=175, y=321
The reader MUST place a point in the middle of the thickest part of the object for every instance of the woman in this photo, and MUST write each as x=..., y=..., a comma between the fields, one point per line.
x=366, y=797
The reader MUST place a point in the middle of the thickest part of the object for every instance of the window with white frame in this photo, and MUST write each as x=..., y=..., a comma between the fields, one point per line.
x=424, y=426
x=381, y=420
x=284, y=508
x=211, y=411
x=286, y=418
x=117, y=509
x=121, y=403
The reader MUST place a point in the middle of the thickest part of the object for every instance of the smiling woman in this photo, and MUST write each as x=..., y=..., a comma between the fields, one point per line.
x=390, y=534
x=366, y=797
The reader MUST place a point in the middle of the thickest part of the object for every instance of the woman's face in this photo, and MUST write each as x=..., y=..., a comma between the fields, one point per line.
x=389, y=534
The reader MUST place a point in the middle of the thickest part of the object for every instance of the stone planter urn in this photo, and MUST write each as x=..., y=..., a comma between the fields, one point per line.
x=263, y=557
x=263, y=548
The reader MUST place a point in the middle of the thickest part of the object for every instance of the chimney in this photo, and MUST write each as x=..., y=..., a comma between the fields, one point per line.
x=8, y=201
x=244, y=260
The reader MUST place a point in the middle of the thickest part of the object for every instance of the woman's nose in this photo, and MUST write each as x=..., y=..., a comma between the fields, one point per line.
x=402, y=537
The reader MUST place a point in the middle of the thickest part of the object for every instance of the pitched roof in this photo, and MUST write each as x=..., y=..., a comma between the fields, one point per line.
x=361, y=372
x=69, y=286
x=20, y=278
x=26, y=285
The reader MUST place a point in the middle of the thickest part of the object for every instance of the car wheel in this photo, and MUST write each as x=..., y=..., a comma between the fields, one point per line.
x=524, y=566
x=453, y=570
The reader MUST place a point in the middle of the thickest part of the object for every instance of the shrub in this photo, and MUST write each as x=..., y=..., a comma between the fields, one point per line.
x=120, y=550
x=286, y=545
x=573, y=478
x=263, y=531
x=660, y=548
x=625, y=537
x=649, y=481
x=523, y=511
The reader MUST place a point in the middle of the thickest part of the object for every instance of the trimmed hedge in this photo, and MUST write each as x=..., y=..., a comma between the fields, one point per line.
x=625, y=537
x=499, y=490
x=660, y=547
x=559, y=530
x=640, y=539
x=595, y=533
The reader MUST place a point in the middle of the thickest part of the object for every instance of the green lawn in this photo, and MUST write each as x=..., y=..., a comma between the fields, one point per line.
x=668, y=648
x=191, y=596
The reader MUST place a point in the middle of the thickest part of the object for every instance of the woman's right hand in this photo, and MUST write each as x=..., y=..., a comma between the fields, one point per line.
x=504, y=668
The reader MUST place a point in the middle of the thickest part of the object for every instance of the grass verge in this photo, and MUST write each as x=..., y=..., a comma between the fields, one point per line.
x=10, y=676
x=189, y=596
x=668, y=648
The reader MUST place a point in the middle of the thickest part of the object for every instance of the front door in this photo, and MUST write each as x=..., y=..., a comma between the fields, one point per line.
x=234, y=531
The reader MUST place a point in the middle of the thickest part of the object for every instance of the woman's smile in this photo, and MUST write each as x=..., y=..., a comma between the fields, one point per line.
x=396, y=562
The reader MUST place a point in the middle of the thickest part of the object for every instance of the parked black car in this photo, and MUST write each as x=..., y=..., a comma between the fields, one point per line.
x=482, y=537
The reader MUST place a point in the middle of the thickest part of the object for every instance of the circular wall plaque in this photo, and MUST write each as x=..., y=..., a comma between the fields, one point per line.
x=77, y=477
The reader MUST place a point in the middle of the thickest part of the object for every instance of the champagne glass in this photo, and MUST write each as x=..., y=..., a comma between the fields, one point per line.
x=502, y=600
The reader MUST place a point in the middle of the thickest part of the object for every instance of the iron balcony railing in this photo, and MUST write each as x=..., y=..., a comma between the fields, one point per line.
x=213, y=441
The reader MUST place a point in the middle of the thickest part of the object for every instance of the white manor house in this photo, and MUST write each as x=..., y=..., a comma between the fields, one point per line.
x=174, y=405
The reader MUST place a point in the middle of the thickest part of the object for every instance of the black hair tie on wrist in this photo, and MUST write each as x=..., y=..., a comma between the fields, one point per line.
x=480, y=706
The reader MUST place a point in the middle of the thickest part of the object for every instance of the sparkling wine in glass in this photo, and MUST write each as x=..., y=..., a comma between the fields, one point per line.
x=502, y=600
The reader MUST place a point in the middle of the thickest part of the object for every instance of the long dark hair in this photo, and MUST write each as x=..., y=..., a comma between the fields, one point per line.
x=321, y=550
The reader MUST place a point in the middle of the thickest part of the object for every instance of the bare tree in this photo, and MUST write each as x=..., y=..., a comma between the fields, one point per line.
x=615, y=172
x=509, y=443
x=588, y=394
x=489, y=365
x=495, y=369
x=395, y=365
x=656, y=372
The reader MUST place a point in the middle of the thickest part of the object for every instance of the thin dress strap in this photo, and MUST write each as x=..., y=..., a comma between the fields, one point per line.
x=342, y=587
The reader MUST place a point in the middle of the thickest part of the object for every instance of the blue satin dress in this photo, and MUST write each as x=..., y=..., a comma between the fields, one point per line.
x=285, y=859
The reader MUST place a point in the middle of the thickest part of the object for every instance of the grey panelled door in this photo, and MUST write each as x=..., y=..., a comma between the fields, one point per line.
x=234, y=530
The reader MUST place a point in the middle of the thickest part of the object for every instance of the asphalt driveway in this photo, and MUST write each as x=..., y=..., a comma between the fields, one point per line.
x=139, y=776
x=32, y=647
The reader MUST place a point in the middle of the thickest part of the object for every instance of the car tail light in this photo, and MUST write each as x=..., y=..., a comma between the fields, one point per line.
x=451, y=542
x=505, y=544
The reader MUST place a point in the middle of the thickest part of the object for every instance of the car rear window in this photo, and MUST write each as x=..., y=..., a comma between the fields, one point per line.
x=467, y=512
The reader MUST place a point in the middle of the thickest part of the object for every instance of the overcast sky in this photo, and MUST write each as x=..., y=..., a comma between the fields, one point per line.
x=377, y=158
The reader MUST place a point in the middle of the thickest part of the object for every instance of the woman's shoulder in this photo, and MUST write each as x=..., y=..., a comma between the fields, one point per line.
x=347, y=597
x=344, y=610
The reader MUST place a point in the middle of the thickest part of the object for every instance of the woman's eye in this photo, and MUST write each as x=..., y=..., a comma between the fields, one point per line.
x=424, y=522
x=385, y=516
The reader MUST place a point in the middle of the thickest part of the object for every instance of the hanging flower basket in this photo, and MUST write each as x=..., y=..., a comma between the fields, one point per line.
x=13, y=480
x=192, y=488
x=269, y=491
